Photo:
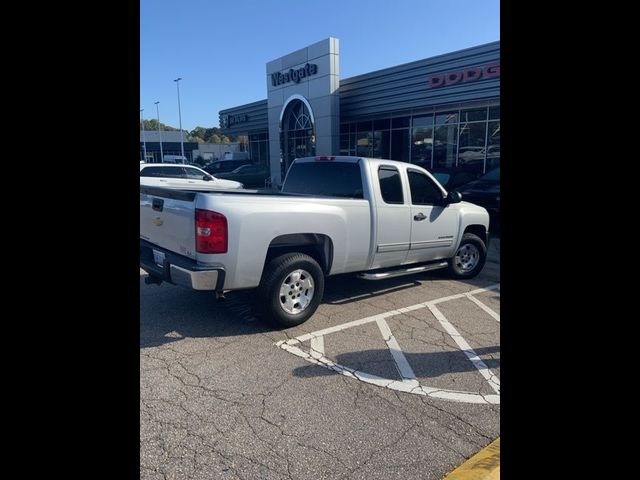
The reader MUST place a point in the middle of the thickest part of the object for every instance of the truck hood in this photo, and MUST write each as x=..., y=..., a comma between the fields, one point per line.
x=472, y=207
x=480, y=187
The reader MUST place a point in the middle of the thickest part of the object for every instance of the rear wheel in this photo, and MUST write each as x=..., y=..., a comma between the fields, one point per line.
x=469, y=258
x=291, y=289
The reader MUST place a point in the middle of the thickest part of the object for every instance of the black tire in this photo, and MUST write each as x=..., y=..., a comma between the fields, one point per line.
x=277, y=271
x=456, y=266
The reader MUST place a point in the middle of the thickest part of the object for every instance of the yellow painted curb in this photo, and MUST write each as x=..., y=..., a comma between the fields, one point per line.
x=484, y=465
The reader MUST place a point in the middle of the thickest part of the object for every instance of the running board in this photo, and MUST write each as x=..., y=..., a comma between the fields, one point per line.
x=400, y=272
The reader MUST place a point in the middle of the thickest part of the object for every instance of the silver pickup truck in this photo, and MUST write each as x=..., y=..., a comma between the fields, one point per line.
x=333, y=215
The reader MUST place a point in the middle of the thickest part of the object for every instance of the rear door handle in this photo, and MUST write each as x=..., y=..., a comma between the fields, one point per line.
x=420, y=216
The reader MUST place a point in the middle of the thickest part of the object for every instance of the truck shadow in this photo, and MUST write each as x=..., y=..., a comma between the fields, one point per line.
x=169, y=313
x=345, y=289
x=424, y=364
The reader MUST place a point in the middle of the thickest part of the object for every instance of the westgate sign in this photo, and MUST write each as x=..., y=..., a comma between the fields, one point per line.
x=294, y=75
x=467, y=75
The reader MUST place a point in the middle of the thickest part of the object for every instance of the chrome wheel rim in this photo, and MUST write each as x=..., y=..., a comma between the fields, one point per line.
x=296, y=292
x=467, y=257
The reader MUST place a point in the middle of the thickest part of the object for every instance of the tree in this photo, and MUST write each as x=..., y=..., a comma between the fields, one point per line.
x=198, y=134
x=153, y=125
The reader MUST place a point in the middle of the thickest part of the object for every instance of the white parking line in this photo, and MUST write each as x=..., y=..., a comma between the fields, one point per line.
x=409, y=383
x=406, y=372
x=460, y=295
x=466, y=348
x=317, y=347
x=484, y=307
x=391, y=313
x=407, y=386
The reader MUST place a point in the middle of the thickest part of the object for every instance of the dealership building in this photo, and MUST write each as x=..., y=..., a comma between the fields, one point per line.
x=441, y=113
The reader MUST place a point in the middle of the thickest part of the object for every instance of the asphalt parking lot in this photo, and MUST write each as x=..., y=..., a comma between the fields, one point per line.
x=391, y=379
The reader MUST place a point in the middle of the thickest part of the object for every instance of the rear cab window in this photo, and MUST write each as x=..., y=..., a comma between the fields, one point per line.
x=390, y=185
x=332, y=179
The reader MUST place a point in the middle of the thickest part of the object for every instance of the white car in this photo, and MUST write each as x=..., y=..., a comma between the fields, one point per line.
x=182, y=177
x=467, y=155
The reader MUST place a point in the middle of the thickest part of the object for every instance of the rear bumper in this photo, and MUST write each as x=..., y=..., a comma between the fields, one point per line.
x=180, y=270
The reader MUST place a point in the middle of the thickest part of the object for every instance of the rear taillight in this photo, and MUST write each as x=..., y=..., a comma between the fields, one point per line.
x=211, y=232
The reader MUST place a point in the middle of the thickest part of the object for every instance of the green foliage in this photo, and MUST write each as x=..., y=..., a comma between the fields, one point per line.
x=153, y=125
x=211, y=135
x=198, y=134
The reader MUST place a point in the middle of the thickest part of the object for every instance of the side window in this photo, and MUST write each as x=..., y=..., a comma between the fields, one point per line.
x=172, y=172
x=390, y=185
x=194, y=174
x=151, y=172
x=423, y=190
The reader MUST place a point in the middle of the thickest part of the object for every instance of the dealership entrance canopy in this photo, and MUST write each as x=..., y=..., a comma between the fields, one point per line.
x=442, y=113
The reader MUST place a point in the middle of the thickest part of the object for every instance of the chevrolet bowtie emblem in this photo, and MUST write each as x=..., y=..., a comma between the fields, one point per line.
x=158, y=221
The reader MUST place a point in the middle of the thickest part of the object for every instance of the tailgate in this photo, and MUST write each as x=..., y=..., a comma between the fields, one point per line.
x=167, y=219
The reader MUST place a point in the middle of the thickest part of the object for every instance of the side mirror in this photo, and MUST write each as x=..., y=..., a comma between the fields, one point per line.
x=207, y=178
x=453, y=197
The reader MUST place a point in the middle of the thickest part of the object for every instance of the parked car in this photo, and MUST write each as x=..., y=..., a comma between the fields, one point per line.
x=250, y=176
x=485, y=191
x=181, y=177
x=222, y=166
x=451, y=180
x=372, y=217
x=470, y=155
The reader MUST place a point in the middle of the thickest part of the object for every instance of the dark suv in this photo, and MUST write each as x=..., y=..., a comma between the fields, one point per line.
x=225, y=166
x=485, y=191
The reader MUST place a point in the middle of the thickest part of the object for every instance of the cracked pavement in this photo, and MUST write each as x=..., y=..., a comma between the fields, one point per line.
x=219, y=399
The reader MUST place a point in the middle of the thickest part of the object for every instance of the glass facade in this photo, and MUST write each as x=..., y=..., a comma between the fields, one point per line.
x=259, y=148
x=386, y=137
x=466, y=139
x=463, y=139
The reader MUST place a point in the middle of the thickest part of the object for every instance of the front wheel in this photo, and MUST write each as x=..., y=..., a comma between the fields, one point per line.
x=469, y=258
x=291, y=289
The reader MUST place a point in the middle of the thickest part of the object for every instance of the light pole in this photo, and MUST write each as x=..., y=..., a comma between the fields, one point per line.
x=144, y=142
x=177, y=80
x=159, y=131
